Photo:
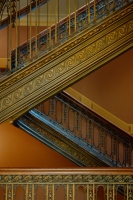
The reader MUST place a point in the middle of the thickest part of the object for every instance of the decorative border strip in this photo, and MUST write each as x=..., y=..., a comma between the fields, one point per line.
x=62, y=50
x=65, y=66
x=84, y=179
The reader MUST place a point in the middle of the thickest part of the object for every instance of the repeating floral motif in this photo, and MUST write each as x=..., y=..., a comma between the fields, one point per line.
x=77, y=178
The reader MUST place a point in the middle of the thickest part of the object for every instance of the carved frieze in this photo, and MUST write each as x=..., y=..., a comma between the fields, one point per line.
x=47, y=179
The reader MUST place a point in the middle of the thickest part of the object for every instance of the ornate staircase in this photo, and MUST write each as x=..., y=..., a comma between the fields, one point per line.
x=66, y=63
x=78, y=133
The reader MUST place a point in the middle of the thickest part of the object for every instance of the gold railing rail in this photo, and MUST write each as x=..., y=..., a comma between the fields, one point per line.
x=74, y=184
x=58, y=25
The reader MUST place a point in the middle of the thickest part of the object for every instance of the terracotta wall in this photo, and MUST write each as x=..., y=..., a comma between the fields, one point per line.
x=111, y=86
x=19, y=149
x=23, y=38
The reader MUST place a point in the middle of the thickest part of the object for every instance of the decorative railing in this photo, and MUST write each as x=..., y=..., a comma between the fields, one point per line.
x=20, y=13
x=78, y=16
x=67, y=184
x=87, y=129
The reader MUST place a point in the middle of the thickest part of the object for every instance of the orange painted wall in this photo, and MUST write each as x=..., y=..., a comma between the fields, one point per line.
x=19, y=149
x=23, y=38
x=111, y=86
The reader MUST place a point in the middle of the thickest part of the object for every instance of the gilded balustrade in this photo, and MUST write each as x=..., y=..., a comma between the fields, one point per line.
x=78, y=16
x=62, y=66
x=66, y=184
x=86, y=129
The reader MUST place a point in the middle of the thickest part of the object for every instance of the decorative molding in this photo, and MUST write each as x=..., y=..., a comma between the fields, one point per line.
x=69, y=46
x=55, y=71
x=58, y=142
x=62, y=178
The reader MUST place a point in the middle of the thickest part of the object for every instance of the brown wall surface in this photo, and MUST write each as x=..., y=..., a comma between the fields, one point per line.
x=111, y=86
x=19, y=149
x=23, y=38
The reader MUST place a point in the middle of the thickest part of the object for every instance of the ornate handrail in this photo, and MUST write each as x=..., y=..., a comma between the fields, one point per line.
x=83, y=183
x=62, y=66
x=86, y=129
x=65, y=28
x=87, y=16
x=21, y=13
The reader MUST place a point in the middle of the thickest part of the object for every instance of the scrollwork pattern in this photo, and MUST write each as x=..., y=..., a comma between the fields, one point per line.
x=121, y=32
x=17, y=95
x=28, y=88
x=60, y=69
x=130, y=26
x=70, y=62
x=77, y=178
x=39, y=81
x=49, y=75
x=71, y=45
x=101, y=44
x=80, y=56
x=7, y=101
x=55, y=71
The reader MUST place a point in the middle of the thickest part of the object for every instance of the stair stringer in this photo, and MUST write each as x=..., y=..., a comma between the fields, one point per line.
x=59, y=142
x=65, y=64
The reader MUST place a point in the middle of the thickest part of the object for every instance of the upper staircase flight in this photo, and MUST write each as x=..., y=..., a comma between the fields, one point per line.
x=89, y=35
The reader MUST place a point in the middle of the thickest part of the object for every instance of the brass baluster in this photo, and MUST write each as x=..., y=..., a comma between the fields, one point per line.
x=53, y=192
x=88, y=13
x=36, y=27
x=30, y=40
x=47, y=192
x=10, y=36
x=8, y=39
x=75, y=15
x=90, y=192
x=56, y=21
x=16, y=42
x=94, y=11
x=33, y=192
x=27, y=48
x=69, y=19
x=19, y=25
x=50, y=14
x=73, y=192
x=26, y=194
x=110, y=192
x=38, y=30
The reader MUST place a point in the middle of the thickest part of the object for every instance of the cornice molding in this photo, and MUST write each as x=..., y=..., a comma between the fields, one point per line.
x=58, y=142
x=64, y=65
